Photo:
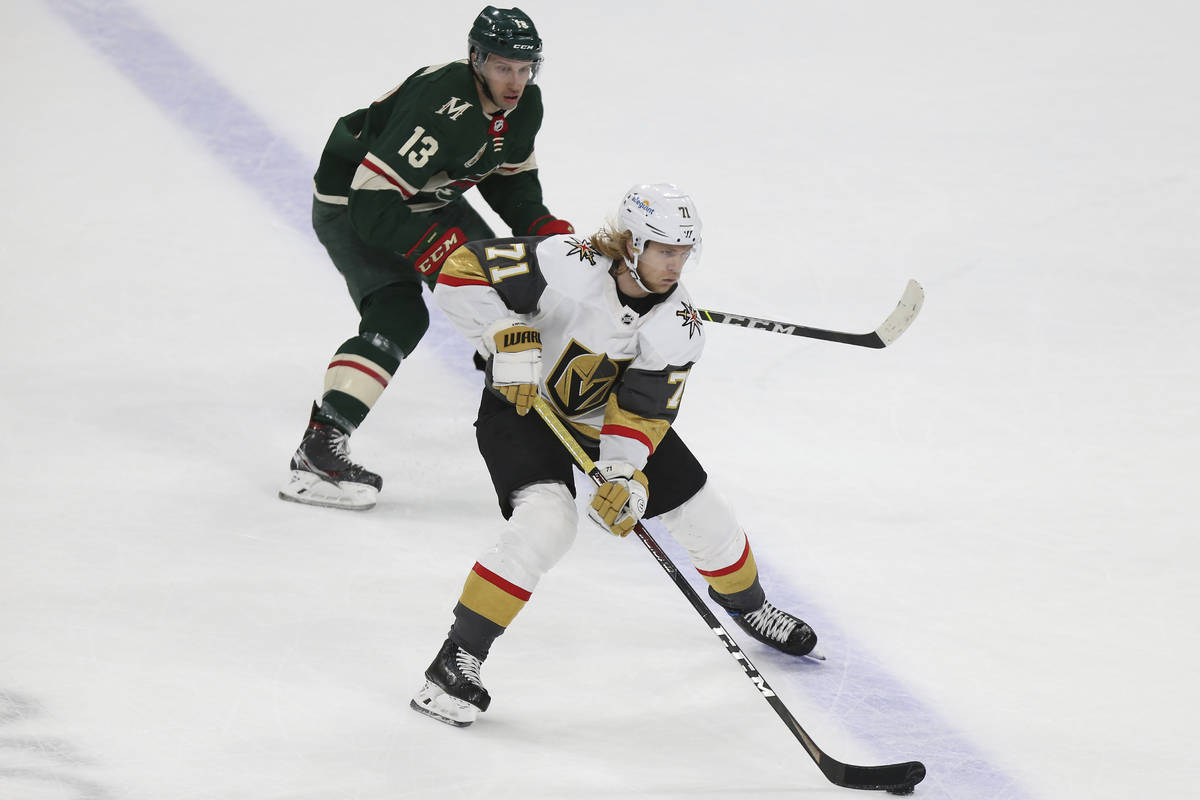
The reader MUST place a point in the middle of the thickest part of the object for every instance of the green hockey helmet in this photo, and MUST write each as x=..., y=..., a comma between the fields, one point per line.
x=506, y=32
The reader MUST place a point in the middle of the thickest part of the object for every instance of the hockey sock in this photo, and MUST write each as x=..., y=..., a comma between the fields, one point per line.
x=743, y=602
x=738, y=580
x=486, y=607
x=356, y=376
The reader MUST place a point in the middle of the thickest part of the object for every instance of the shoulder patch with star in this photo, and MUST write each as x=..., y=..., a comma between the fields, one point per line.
x=583, y=249
x=691, y=319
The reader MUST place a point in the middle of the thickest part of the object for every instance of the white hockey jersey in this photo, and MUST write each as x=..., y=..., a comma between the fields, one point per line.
x=615, y=375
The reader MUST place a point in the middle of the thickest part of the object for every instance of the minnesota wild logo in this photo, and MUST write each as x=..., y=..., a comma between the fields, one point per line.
x=690, y=317
x=583, y=249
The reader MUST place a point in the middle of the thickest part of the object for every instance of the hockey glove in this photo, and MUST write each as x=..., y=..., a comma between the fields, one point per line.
x=514, y=369
x=434, y=247
x=550, y=226
x=619, y=503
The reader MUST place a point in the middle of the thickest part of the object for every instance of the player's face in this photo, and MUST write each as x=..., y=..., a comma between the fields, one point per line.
x=507, y=79
x=660, y=265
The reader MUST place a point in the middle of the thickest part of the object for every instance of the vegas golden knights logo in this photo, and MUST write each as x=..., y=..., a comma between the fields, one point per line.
x=581, y=381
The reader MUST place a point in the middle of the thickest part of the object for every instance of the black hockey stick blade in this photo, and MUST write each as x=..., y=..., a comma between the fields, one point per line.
x=889, y=331
x=894, y=778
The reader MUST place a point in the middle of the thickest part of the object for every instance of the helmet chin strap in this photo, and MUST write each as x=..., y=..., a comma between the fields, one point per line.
x=487, y=90
x=633, y=273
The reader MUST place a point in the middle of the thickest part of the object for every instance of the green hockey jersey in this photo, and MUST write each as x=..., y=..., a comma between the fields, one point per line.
x=419, y=147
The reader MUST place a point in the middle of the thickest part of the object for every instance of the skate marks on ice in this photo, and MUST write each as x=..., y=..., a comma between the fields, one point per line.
x=39, y=766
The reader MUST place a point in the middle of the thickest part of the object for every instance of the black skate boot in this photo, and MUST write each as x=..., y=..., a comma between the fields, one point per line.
x=453, y=692
x=773, y=627
x=324, y=475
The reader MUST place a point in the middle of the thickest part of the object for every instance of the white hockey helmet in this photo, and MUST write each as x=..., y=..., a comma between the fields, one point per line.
x=659, y=212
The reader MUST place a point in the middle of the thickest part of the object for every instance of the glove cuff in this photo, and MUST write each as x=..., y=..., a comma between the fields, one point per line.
x=510, y=336
x=550, y=225
x=641, y=478
x=623, y=469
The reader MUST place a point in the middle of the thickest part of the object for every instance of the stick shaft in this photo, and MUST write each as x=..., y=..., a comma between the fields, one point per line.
x=847, y=775
x=887, y=332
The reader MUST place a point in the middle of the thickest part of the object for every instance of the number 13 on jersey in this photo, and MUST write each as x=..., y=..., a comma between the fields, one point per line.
x=419, y=158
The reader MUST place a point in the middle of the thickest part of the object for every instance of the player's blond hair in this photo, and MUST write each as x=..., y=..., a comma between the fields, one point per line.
x=613, y=244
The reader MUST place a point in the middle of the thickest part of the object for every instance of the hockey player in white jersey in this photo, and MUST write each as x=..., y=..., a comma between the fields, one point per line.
x=602, y=328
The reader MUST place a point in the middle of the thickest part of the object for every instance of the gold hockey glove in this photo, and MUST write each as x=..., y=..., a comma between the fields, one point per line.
x=515, y=366
x=621, y=502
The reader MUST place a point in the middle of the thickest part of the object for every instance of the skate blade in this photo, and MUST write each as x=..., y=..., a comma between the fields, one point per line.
x=432, y=701
x=313, y=490
x=814, y=654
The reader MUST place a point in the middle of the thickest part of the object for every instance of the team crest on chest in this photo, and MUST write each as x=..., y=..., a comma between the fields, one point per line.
x=690, y=317
x=498, y=128
x=581, y=381
x=583, y=249
x=454, y=108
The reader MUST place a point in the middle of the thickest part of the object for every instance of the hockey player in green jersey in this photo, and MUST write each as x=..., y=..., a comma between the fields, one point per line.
x=388, y=206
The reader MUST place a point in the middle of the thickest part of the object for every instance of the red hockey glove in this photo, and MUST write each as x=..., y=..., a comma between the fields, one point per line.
x=434, y=247
x=550, y=225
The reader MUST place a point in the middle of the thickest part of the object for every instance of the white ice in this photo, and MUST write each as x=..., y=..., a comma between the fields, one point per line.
x=992, y=523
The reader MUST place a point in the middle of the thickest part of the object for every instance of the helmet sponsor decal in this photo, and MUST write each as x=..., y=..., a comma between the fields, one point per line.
x=644, y=205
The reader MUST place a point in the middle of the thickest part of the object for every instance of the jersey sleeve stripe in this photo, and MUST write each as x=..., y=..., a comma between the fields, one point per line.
x=450, y=280
x=619, y=421
x=628, y=433
x=524, y=166
x=363, y=181
x=462, y=268
x=332, y=199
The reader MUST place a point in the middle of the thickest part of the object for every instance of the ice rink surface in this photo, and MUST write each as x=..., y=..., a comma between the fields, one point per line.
x=991, y=524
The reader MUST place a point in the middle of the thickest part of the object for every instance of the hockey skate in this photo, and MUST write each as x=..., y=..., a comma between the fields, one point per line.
x=323, y=474
x=774, y=628
x=453, y=692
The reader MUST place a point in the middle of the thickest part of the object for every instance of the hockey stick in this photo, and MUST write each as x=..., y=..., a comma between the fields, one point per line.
x=888, y=332
x=895, y=778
